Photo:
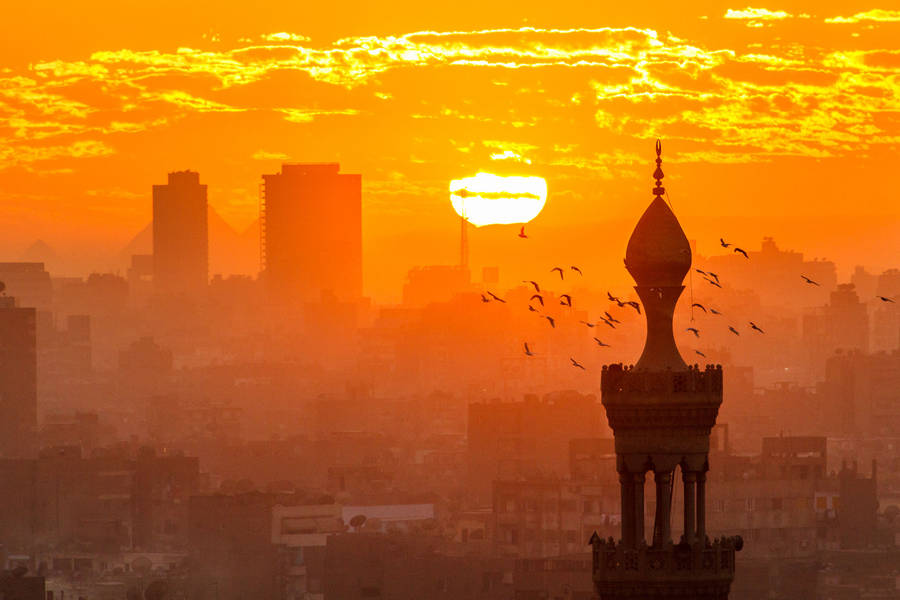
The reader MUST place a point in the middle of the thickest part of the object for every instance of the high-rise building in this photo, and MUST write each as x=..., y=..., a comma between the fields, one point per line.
x=18, y=380
x=180, y=235
x=311, y=233
x=661, y=412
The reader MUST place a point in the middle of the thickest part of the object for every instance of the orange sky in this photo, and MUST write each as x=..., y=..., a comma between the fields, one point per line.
x=779, y=119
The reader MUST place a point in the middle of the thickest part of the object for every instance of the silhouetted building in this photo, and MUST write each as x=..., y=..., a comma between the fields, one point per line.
x=29, y=282
x=861, y=393
x=18, y=380
x=842, y=324
x=311, y=232
x=507, y=440
x=180, y=235
x=661, y=412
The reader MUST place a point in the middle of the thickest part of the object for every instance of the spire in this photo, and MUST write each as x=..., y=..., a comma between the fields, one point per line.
x=658, y=257
x=658, y=174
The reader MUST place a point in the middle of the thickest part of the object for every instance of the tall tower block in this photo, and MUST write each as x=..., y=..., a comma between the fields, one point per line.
x=661, y=411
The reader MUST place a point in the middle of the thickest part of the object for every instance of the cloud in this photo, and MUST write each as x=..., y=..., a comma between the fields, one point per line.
x=757, y=14
x=22, y=155
x=878, y=15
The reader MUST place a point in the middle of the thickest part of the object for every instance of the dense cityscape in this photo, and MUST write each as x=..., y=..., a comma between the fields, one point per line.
x=170, y=435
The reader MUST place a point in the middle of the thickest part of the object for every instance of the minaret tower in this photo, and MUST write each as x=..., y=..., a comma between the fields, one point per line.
x=661, y=411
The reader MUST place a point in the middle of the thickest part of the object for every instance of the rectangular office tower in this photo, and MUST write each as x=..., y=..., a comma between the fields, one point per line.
x=311, y=232
x=180, y=235
x=18, y=380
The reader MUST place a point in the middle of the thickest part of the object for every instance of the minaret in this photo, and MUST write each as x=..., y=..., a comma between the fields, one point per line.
x=661, y=411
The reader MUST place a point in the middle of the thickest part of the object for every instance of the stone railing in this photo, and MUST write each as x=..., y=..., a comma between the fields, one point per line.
x=613, y=562
x=617, y=378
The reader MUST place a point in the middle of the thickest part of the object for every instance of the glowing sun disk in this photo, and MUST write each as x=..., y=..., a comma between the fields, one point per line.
x=488, y=199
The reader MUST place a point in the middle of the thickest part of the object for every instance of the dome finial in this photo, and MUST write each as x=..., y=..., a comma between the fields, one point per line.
x=658, y=175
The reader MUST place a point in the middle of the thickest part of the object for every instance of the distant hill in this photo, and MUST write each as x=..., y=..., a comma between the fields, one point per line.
x=230, y=252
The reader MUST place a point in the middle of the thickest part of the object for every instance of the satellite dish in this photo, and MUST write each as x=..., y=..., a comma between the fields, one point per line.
x=358, y=521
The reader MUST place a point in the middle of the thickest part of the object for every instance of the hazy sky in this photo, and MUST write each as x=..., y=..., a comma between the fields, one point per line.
x=785, y=113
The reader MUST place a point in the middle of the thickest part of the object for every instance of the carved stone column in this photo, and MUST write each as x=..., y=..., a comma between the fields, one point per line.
x=701, y=506
x=690, y=507
x=638, y=508
x=626, y=485
x=663, y=528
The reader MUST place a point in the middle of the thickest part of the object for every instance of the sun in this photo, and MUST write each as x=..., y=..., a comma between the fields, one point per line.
x=488, y=199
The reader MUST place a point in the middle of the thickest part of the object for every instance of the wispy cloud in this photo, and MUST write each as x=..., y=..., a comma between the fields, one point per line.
x=878, y=15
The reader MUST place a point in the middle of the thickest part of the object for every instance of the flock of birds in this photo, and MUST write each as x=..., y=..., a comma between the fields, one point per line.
x=609, y=320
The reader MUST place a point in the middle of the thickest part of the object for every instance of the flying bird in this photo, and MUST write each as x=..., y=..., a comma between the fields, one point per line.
x=539, y=298
x=612, y=298
x=607, y=322
x=537, y=288
x=611, y=318
x=565, y=300
x=522, y=232
x=724, y=243
x=698, y=305
x=588, y=323
x=496, y=297
x=485, y=298
x=577, y=270
x=528, y=351
x=755, y=327
x=701, y=271
x=885, y=299
x=808, y=280
x=634, y=305
x=694, y=330
x=741, y=251
x=552, y=321
x=700, y=353
x=714, y=311
x=713, y=282
x=733, y=330
x=532, y=309
x=600, y=343
x=575, y=363
x=561, y=274
x=714, y=276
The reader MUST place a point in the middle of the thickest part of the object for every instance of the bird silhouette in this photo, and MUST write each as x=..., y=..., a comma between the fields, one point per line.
x=714, y=311
x=694, y=330
x=561, y=273
x=588, y=323
x=808, y=280
x=714, y=276
x=522, y=232
x=755, y=327
x=537, y=288
x=485, y=298
x=701, y=271
x=607, y=322
x=575, y=363
x=528, y=351
x=577, y=270
x=565, y=300
x=496, y=297
x=733, y=330
x=724, y=243
x=741, y=251
x=600, y=343
x=698, y=305
x=551, y=320
x=634, y=305
x=532, y=309
x=885, y=299
x=700, y=353
x=611, y=318
x=612, y=298
x=713, y=282
x=539, y=298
